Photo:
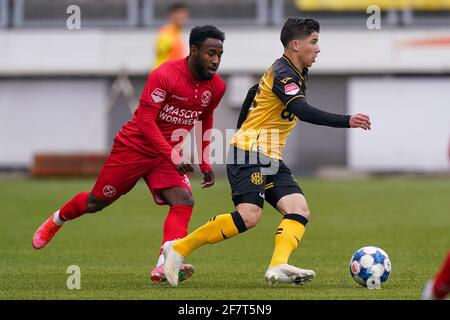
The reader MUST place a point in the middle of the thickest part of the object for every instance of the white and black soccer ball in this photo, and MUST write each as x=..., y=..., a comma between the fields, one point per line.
x=370, y=267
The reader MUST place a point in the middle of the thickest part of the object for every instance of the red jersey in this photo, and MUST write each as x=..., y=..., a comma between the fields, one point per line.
x=172, y=99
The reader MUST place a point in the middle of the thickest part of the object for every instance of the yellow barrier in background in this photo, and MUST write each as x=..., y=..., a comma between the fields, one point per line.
x=353, y=5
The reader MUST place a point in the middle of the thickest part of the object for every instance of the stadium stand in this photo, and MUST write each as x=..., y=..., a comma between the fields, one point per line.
x=353, y=12
x=4, y=12
x=100, y=13
x=231, y=12
x=144, y=13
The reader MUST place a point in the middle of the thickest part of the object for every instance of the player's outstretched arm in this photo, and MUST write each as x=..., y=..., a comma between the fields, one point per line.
x=360, y=120
x=307, y=113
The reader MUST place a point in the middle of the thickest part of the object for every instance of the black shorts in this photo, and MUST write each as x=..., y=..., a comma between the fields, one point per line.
x=254, y=178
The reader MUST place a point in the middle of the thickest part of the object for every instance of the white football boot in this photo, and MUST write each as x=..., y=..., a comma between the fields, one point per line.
x=285, y=273
x=172, y=263
x=427, y=293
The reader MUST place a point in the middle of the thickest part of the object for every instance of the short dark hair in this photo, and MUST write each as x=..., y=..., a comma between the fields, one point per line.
x=177, y=5
x=200, y=34
x=297, y=28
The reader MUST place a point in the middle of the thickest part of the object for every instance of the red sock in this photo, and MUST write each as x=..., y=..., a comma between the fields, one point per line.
x=176, y=223
x=442, y=282
x=75, y=207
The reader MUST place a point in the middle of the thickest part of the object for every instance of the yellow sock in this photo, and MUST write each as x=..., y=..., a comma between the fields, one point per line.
x=218, y=228
x=288, y=235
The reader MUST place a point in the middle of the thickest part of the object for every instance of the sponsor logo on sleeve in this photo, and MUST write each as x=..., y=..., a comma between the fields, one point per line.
x=291, y=89
x=158, y=95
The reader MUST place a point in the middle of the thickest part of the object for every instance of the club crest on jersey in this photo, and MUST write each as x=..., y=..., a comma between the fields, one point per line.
x=158, y=95
x=256, y=178
x=109, y=191
x=206, y=97
x=291, y=89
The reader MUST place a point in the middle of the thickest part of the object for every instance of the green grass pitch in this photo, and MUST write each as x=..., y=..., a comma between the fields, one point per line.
x=115, y=249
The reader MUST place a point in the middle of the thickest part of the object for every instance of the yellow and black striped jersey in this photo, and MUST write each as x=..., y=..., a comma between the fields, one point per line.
x=268, y=122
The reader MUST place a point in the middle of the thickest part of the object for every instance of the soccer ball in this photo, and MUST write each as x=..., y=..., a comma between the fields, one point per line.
x=370, y=267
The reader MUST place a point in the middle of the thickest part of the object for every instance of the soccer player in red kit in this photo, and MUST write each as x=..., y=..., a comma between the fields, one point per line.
x=177, y=94
x=438, y=288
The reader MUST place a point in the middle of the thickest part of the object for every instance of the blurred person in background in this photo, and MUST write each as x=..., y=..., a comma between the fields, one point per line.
x=169, y=42
x=438, y=288
x=177, y=94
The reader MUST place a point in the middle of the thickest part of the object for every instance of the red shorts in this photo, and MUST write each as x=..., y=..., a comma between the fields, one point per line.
x=124, y=167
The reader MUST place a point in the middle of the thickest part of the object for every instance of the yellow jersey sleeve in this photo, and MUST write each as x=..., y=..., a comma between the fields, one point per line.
x=287, y=87
x=268, y=122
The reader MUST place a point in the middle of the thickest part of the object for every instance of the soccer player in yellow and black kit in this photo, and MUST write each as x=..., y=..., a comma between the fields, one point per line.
x=255, y=167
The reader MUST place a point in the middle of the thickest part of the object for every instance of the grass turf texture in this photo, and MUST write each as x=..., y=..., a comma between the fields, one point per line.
x=116, y=248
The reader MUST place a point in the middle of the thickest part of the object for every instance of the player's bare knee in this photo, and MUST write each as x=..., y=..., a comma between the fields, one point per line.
x=285, y=206
x=177, y=197
x=186, y=202
x=182, y=200
x=251, y=216
x=306, y=213
x=301, y=210
x=95, y=205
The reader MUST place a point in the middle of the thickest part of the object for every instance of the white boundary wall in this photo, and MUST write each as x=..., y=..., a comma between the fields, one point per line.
x=411, y=124
x=51, y=115
x=97, y=52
